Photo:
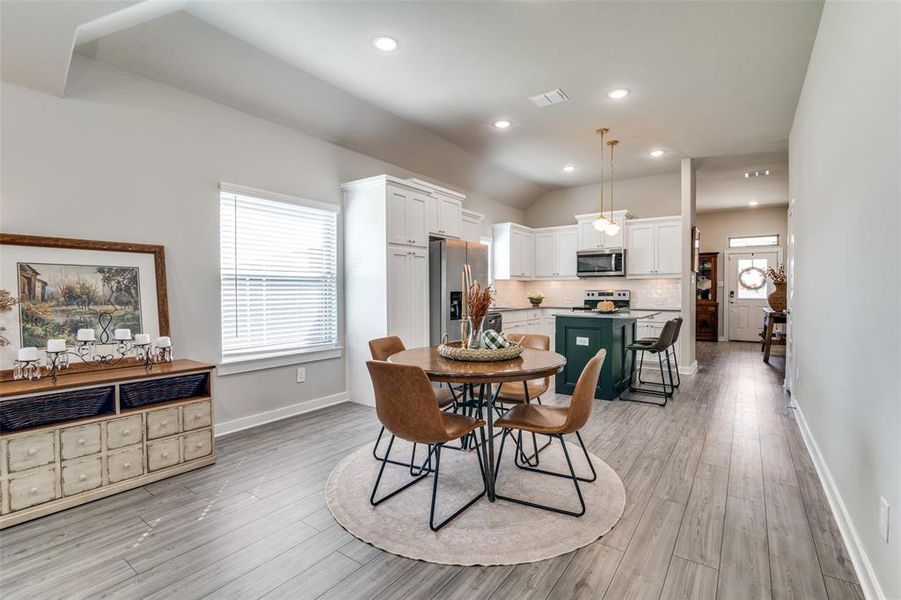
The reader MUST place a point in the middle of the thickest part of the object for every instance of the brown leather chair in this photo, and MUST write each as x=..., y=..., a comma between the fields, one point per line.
x=670, y=354
x=406, y=405
x=522, y=393
x=383, y=348
x=555, y=421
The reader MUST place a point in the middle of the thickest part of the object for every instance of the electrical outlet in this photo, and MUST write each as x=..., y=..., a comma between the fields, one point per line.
x=301, y=374
x=883, y=519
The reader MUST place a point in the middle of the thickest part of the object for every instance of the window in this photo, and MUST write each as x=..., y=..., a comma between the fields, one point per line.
x=757, y=240
x=279, y=275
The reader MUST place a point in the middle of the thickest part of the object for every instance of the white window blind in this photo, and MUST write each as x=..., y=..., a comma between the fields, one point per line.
x=279, y=274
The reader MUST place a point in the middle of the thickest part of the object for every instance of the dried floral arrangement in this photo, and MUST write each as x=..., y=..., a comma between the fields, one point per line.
x=777, y=275
x=7, y=301
x=536, y=298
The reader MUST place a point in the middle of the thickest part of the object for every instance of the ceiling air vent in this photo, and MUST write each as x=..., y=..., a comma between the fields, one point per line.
x=547, y=98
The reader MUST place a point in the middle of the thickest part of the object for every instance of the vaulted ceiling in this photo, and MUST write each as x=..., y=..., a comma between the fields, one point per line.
x=707, y=79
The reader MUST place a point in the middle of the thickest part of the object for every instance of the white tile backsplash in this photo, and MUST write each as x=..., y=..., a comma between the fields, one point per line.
x=646, y=293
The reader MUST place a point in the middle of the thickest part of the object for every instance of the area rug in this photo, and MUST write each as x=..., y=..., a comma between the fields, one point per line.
x=498, y=533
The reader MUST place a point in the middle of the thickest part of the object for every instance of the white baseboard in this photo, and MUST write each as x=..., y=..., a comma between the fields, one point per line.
x=278, y=414
x=691, y=369
x=722, y=338
x=865, y=572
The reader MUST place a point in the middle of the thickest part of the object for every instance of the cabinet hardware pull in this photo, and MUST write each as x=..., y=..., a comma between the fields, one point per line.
x=199, y=445
x=82, y=477
x=32, y=452
x=165, y=455
x=162, y=423
x=125, y=433
x=126, y=466
x=81, y=442
x=196, y=417
x=33, y=491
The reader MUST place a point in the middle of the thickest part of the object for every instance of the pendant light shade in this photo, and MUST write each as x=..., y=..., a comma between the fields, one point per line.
x=602, y=223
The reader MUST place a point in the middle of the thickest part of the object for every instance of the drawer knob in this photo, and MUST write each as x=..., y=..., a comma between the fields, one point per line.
x=32, y=452
x=82, y=477
x=81, y=442
x=162, y=423
x=125, y=433
x=165, y=455
x=33, y=491
x=198, y=445
x=126, y=466
x=197, y=417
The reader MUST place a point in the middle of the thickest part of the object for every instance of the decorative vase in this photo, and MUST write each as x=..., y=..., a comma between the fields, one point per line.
x=777, y=298
x=536, y=304
x=475, y=332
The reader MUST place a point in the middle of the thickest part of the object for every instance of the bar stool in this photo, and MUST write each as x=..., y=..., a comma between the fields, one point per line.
x=658, y=347
x=406, y=405
x=669, y=351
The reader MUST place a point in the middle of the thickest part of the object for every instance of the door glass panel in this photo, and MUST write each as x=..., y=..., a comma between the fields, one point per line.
x=751, y=278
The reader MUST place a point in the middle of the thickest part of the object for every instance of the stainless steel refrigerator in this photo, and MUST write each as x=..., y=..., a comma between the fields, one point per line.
x=446, y=260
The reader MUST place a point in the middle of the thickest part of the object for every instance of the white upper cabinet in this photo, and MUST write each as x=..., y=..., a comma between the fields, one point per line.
x=654, y=247
x=444, y=210
x=514, y=251
x=407, y=213
x=471, y=226
x=592, y=239
x=555, y=252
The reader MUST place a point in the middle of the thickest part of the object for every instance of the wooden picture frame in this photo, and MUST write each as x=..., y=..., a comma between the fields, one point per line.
x=156, y=252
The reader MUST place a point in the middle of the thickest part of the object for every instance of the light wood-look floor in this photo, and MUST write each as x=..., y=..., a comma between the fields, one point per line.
x=723, y=502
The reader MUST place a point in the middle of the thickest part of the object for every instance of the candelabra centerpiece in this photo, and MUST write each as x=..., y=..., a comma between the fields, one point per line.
x=93, y=349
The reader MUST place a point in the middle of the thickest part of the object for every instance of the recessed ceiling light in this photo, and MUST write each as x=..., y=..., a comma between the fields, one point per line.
x=385, y=43
x=569, y=168
x=618, y=94
x=753, y=203
x=502, y=124
x=657, y=152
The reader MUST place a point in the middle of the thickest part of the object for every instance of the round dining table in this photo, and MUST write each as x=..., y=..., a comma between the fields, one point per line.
x=531, y=364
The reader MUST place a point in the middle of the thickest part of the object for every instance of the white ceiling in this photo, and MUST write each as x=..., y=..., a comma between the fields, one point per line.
x=708, y=79
x=721, y=184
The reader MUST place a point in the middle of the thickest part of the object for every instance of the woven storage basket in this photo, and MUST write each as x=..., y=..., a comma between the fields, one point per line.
x=153, y=391
x=456, y=351
x=55, y=408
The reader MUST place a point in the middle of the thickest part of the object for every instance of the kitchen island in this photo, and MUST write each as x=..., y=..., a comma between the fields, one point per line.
x=579, y=336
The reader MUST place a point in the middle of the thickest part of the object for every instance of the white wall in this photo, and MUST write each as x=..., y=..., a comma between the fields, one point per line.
x=717, y=227
x=844, y=176
x=128, y=159
x=654, y=196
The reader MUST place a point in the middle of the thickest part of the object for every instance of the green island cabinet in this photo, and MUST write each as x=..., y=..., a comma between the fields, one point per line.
x=579, y=337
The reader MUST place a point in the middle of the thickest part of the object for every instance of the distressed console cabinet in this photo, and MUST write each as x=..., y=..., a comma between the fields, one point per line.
x=93, y=434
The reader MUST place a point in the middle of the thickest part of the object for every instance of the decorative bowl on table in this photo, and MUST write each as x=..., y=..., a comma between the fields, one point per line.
x=456, y=351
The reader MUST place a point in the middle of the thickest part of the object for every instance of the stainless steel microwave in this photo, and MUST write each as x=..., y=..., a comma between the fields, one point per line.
x=601, y=263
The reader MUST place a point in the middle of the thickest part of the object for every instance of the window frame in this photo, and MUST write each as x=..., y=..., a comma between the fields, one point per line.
x=753, y=237
x=229, y=365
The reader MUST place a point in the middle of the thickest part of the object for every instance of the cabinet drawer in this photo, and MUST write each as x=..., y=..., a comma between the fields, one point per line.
x=198, y=444
x=161, y=423
x=124, y=432
x=80, y=441
x=31, y=451
x=162, y=454
x=125, y=463
x=81, y=475
x=197, y=415
x=33, y=487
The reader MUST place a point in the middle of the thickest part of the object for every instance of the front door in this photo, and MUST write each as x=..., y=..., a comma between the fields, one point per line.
x=748, y=289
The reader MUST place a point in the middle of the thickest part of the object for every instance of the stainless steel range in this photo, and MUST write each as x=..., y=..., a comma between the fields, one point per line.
x=620, y=299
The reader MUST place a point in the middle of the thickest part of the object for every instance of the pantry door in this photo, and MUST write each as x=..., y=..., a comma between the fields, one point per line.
x=748, y=289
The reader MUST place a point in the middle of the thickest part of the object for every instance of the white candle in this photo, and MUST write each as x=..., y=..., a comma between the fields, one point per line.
x=163, y=342
x=85, y=335
x=142, y=339
x=29, y=353
x=56, y=345
x=122, y=334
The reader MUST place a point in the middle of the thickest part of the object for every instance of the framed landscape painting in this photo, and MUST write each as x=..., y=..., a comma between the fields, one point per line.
x=63, y=285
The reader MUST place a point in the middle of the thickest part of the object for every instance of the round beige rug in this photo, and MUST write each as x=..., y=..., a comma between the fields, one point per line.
x=498, y=533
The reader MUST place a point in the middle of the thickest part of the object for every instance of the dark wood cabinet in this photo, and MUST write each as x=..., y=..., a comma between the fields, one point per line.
x=707, y=303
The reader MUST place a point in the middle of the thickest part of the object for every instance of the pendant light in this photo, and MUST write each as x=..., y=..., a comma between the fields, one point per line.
x=601, y=223
x=612, y=228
